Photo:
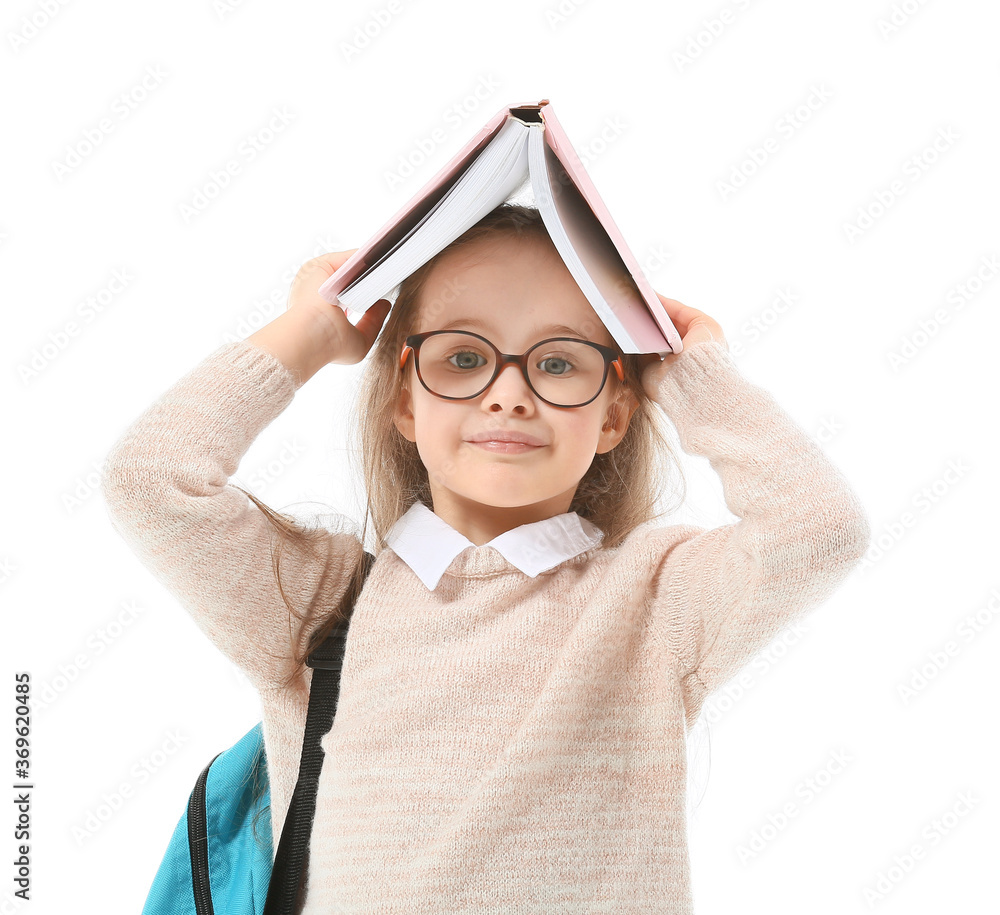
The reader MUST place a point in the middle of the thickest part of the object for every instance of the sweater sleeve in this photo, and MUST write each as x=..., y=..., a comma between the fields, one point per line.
x=166, y=487
x=720, y=595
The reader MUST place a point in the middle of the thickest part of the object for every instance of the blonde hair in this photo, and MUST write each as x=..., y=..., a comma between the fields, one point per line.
x=620, y=490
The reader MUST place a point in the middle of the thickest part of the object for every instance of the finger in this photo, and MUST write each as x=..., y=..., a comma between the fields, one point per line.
x=706, y=330
x=685, y=317
x=371, y=321
x=313, y=274
x=680, y=315
x=329, y=263
x=698, y=333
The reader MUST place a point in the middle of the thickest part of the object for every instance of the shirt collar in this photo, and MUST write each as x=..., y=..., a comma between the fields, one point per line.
x=429, y=544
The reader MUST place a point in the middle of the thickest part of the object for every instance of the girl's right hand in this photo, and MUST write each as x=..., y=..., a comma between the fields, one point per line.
x=347, y=343
x=694, y=327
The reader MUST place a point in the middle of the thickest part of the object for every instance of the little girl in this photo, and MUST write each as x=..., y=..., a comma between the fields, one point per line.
x=529, y=650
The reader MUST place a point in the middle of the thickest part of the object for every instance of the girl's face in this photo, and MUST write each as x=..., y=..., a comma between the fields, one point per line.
x=514, y=292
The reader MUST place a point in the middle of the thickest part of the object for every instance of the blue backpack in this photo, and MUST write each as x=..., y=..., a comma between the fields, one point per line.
x=221, y=857
x=214, y=861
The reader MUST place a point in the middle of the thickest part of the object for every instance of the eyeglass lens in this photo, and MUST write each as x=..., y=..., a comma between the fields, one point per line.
x=565, y=372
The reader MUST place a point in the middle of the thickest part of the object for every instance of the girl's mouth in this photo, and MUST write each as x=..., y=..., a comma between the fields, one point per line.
x=506, y=447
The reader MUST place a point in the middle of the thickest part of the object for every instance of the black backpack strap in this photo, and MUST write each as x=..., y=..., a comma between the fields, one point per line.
x=290, y=859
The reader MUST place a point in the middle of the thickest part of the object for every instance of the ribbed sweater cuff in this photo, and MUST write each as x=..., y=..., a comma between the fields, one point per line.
x=701, y=375
x=255, y=366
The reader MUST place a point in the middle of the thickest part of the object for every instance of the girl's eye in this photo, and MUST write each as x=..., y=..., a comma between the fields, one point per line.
x=464, y=362
x=467, y=359
x=561, y=369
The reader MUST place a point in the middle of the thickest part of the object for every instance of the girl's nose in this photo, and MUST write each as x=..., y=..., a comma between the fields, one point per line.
x=510, y=387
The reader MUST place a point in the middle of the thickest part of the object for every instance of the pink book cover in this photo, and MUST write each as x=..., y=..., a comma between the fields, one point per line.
x=652, y=336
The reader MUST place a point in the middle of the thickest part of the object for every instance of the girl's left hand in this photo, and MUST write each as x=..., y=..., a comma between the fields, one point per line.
x=694, y=327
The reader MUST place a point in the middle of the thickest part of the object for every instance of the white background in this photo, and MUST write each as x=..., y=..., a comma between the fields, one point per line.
x=666, y=104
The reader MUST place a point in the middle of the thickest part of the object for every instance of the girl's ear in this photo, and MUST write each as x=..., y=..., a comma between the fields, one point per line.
x=402, y=416
x=617, y=419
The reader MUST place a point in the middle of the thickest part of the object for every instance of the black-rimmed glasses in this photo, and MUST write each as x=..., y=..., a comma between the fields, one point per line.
x=460, y=365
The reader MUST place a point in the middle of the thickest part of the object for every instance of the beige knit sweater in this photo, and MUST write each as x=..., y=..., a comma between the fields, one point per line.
x=502, y=744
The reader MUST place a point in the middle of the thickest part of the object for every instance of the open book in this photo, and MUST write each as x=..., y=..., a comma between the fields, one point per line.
x=520, y=144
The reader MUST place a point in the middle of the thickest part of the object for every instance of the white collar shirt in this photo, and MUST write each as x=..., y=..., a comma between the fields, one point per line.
x=428, y=544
